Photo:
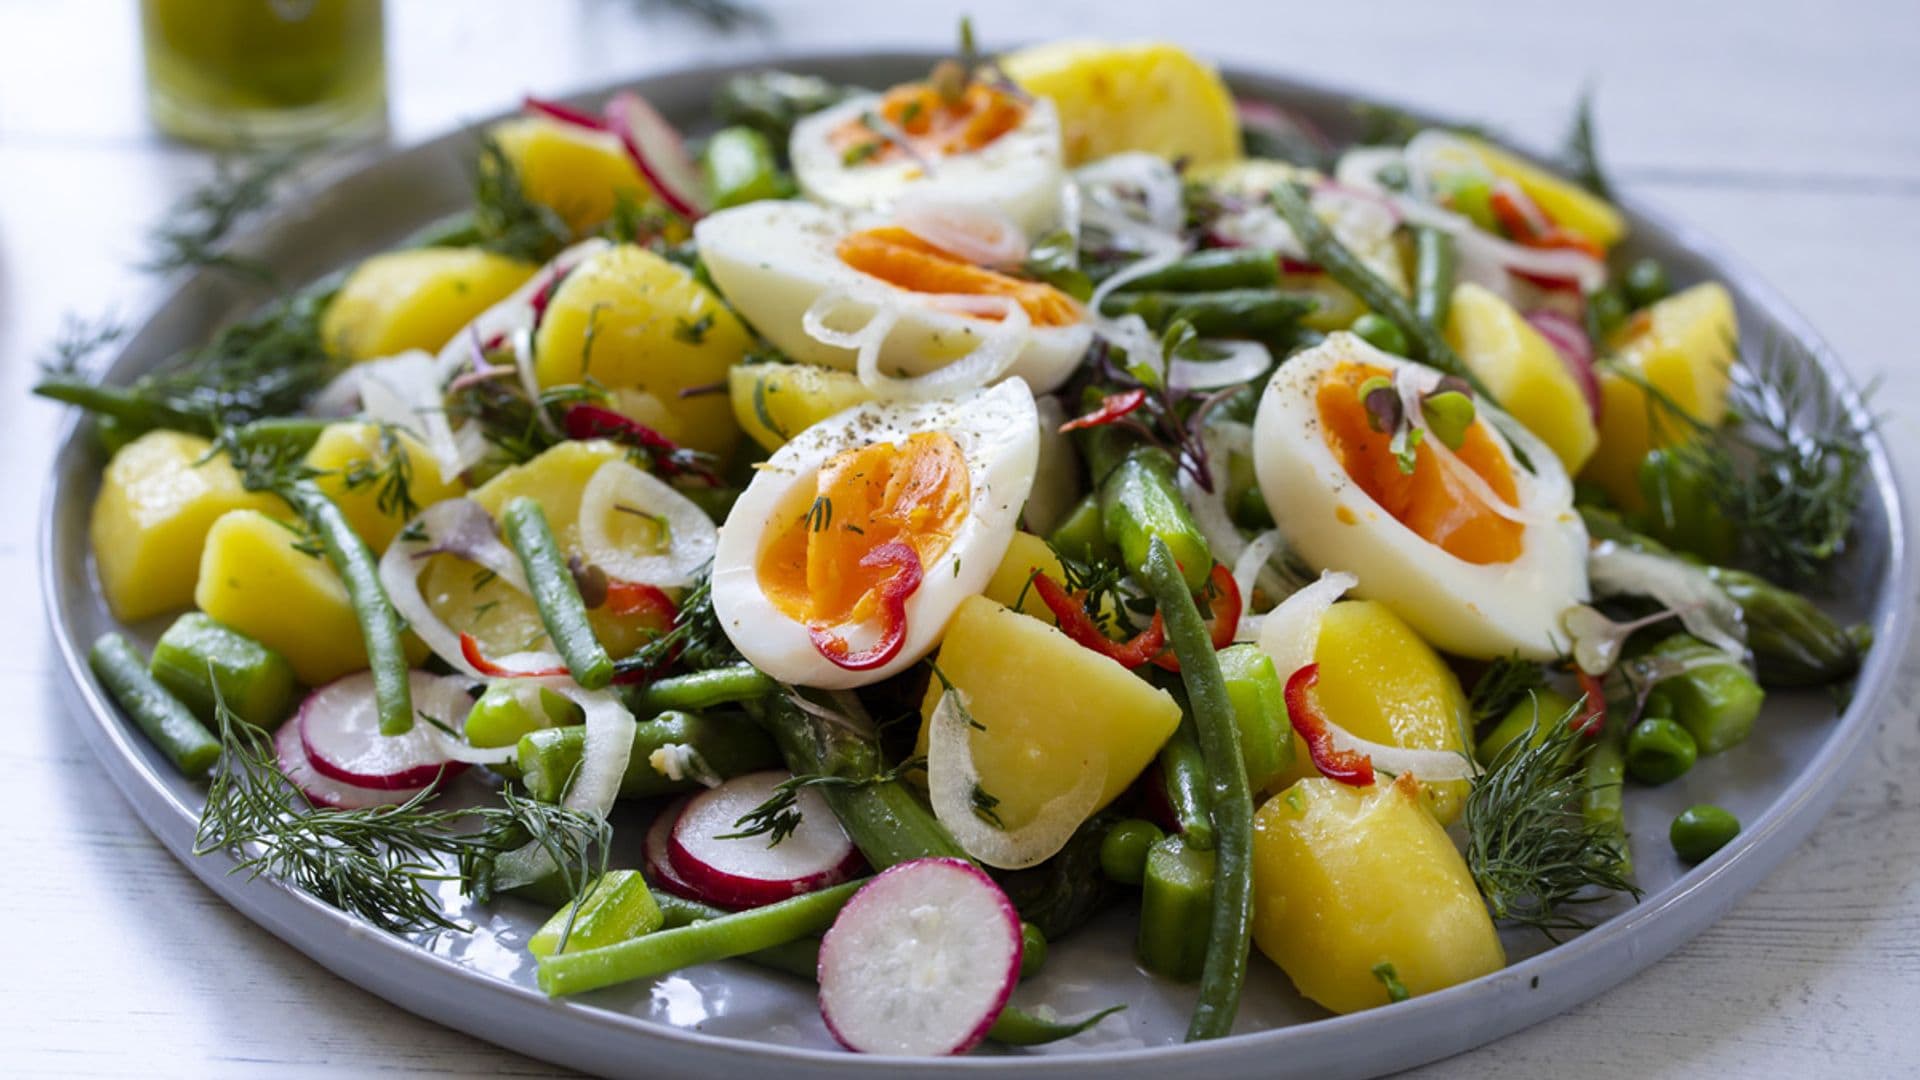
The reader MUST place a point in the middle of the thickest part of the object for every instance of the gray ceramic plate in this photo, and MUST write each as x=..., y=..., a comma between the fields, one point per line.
x=725, y=1019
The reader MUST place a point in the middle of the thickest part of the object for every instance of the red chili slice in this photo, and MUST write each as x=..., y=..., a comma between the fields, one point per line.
x=1344, y=766
x=1113, y=408
x=893, y=611
x=1521, y=218
x=625, y=598
x=1226, y=615
x=470, y=649
x=566, y=114
x=1591, y=722
x=1070, y=611
x=586, y=421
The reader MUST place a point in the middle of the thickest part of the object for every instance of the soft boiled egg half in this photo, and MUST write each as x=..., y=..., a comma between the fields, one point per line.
x=844, y=559
x=913, y=319
x=983, y=145
x=1477, y=551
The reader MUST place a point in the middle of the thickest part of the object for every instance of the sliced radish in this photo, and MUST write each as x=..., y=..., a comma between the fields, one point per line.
x=653, y=851
x=750, y=871
x=921, y=961
x=1569, y=339
x=657, y=152
x=339, y=725
x=323, y=790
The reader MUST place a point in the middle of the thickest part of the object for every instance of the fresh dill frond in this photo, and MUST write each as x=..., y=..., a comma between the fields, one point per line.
x=1506, y=682
x=506, y=220
x=719, y=16
x=1532, y=852
x=389, y=472
x=79, y=341
x=382, y=864
x=194, y=235
x=778, y=816
x=1580, y=152
x=696, y=642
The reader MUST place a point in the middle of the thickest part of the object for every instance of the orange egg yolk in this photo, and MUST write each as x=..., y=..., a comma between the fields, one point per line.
x=916, y=492
x=1429, y=500
x=901, y=259
x=934, y=127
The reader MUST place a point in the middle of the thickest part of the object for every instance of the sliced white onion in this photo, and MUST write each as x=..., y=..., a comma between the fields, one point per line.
x=1432, y=766
x=1056, y=480
x=1406, y=382
x=1704, y=607
x=1291, y=633
x=1246, y=574
x=1360, y=167
x=1150, y=177
x=1234, y=436
x=620, y=487
x=1259, y=226
x=1244, y=361
x=975, y=232
x=406, y=559
x=1130, y=332
x=407, y=392
x=999, y=345
x=1210, y=507
x=596, y=784
x=952, y=780
x=341, y=396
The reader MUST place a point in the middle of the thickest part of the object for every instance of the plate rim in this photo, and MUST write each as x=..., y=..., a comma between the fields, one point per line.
x=1456, y=1019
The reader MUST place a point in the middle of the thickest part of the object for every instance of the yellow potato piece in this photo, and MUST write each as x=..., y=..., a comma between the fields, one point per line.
x=1567, y=203
x=415, y=300
x=157, y=500
x=356, y=469
x=774, y=402
x=255, y=580
x=1346, y=879
x=1682, y=346
x=1008, y=586
x=578, y=173
x=1524, y=373
x=643, y=327
x=499, y=617
x=1379, y=680
x=1050, y=708
x=1147, y=96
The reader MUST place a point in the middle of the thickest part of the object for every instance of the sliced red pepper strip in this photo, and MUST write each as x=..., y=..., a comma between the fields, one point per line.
x=587, y=421
x=1522, y=220
x=1226, y=615
x=1113, y=408
x=625, y=598
x=470, y=648
x=1591, y=722
x=1070, y=611
x=543, y=296
x=893, y=593
x=566, y=114
x=1344, y=766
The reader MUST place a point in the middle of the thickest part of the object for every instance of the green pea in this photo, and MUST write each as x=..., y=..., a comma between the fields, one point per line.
x=1606, y=312
x=1659, y=750
x=1701, y=830
x=1449, y=413
x=1033, y=949
x=1645, y=282
x=1123, y=852
x=1376, y=330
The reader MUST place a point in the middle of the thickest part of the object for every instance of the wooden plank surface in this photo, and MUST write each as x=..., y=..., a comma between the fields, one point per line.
x=1784, y=129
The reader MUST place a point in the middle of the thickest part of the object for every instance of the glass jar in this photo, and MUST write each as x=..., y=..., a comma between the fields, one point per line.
x=263, y=71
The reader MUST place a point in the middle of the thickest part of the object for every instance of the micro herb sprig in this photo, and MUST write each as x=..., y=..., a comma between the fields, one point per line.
x=779, y=815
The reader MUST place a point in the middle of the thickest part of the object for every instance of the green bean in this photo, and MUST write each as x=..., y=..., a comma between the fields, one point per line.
x=1123, y=851
x=1682, y=511
x=740, y=167
x=1214, y=270
x=1794, y=643
x=1659, y=750
x=1140, y=502
x=1176, y=909
x=1033, y=950
x=1183, y=776
x=702, y=689
x=617, y=907
x=1079, y=534
x=504, y=715
x=201, y=661
x=288, y=435
x=727, y=746
x=1344, y=267
x=1716, y=702
x=1378, y=331
x=1017, y=1027
x=1219, y=313
x=696, y=943
x=1228, y=937
x=380, y=624
x=1605, y=780
x=1700, y=831
x=170, y=725
x=1259, y=711
x=556, y=594
x=1534, y=713
x=132, y=411
x=1433, y=276
x=884, y=818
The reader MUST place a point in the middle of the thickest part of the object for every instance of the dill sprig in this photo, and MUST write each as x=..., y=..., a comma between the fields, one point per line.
x=1506, y=682
x=79, y=341
x=506, y=220
x=779, y=815
x=696, y=641
x=381, y=864
x=1580, y=152
x=1531, y=851
x=719, y=16
x=194, y=235
x=389, y=472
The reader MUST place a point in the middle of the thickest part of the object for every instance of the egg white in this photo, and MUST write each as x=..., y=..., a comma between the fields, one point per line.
x=773, y=259
x=1468, y=609
x=1021, y=173
x=997, y=431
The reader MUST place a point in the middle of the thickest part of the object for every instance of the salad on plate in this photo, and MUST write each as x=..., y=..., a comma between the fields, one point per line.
x=951, y=511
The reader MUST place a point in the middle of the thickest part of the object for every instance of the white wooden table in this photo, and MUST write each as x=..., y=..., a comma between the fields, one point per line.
x=1785, y=129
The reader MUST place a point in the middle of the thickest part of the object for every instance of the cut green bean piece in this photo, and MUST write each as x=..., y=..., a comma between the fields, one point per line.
x=1243, y=313
x=1259, y=704
x=1140, y=502
x=1176, y=909
x=1433, y=274
x=617, y=907
x=1606, y=774
x=166, y=722
x=201, y=661
x=1183, y=776
x=556, y=594
x=1535, y=713
x=509, y=710
x=702, y=689
x=1794, y=643
x=739, y=166
x=1212, y=271
x=722, y=745
x=1716, y=702
x=665, y=951
x=1079, y=534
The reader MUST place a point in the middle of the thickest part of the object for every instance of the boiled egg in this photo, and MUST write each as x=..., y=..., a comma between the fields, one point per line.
x=864, y=295
x=846, y=556
x=1478, y=547
x=985, y=145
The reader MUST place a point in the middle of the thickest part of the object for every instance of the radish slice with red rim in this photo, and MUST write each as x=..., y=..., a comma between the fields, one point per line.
x=921, y=961
x=323, y=791
x=653, y=851
x=749, y=871
x=339, y=725
x=657, y=152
